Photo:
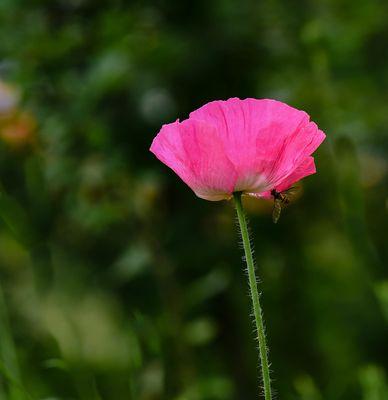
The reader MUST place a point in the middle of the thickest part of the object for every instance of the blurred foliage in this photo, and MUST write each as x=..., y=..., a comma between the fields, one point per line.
x=117, y=282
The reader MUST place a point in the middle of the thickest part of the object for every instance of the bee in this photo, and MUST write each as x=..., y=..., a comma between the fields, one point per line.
x=280, y=199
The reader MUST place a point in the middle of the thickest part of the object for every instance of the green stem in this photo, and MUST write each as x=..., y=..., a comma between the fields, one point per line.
x=263, y=350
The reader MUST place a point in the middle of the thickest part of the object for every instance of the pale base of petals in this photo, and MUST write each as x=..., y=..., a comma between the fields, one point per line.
x=253, y=183
x=213, y=196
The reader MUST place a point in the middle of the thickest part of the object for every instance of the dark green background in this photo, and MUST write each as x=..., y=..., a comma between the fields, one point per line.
x=118, y=283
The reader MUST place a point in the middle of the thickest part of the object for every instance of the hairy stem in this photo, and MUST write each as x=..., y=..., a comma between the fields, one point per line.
x=263, y=351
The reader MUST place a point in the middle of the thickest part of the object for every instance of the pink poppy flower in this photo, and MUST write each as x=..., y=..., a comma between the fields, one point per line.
x=250, y=146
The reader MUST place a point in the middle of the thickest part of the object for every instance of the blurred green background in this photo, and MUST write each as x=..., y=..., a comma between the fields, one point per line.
x=116, y=281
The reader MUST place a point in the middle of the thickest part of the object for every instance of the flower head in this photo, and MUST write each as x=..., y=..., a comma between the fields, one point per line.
x=250, y=146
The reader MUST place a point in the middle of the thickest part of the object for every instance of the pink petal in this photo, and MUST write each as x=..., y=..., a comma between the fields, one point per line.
x=306, y=168
x=299, y=146
x=255, y=134
x=194, y=150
